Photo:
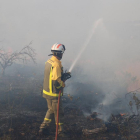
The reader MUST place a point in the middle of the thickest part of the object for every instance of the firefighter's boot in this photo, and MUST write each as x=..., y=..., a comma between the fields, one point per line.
x=43, y=126
x=61, y=132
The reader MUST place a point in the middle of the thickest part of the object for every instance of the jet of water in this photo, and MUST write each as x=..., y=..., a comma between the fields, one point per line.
x=95, y=25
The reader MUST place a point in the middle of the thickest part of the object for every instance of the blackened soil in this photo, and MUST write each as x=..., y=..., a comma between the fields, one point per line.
x=22, y=110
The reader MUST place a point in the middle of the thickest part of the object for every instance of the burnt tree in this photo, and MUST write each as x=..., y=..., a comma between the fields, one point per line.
x=7, y=58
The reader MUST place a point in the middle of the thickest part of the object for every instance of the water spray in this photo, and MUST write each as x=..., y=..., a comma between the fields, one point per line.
x=95, y=25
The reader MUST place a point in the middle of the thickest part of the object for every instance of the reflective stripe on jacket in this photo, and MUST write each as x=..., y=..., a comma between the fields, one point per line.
x=53, y=71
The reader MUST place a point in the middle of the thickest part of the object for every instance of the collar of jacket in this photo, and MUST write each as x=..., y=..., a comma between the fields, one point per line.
x=55, y=59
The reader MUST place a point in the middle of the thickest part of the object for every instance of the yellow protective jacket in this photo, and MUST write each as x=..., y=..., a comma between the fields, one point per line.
x=52, y=78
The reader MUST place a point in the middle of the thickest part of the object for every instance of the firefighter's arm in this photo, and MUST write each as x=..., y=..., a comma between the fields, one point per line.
x=57, y=76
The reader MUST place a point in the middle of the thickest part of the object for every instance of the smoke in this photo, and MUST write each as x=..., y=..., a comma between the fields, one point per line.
x=102, y=74
x=105, y=58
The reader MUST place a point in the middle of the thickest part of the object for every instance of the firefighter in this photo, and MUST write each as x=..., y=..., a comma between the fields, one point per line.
x=51, y=87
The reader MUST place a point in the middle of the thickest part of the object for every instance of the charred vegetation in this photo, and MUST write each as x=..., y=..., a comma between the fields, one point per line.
x=22, y=110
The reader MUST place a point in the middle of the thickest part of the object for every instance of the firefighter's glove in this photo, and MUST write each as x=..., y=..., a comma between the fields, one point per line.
x=63, y=84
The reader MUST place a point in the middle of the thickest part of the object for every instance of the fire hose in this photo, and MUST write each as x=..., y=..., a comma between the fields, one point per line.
x=64, y=77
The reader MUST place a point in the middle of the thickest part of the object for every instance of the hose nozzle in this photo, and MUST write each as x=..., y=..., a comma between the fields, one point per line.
x=66, y=76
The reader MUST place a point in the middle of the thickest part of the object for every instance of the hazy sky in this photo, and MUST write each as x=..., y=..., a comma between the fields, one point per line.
x=45, y=22
x=67, y=21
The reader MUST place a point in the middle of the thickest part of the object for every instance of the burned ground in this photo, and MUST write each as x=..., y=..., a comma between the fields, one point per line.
x=22, y=110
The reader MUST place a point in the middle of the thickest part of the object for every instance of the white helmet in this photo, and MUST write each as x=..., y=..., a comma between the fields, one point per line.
x=57, y=47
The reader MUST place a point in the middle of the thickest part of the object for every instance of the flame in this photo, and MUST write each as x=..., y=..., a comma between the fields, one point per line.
x=122, y=114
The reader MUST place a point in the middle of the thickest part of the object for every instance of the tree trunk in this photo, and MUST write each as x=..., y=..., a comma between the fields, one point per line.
x=3, y=72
